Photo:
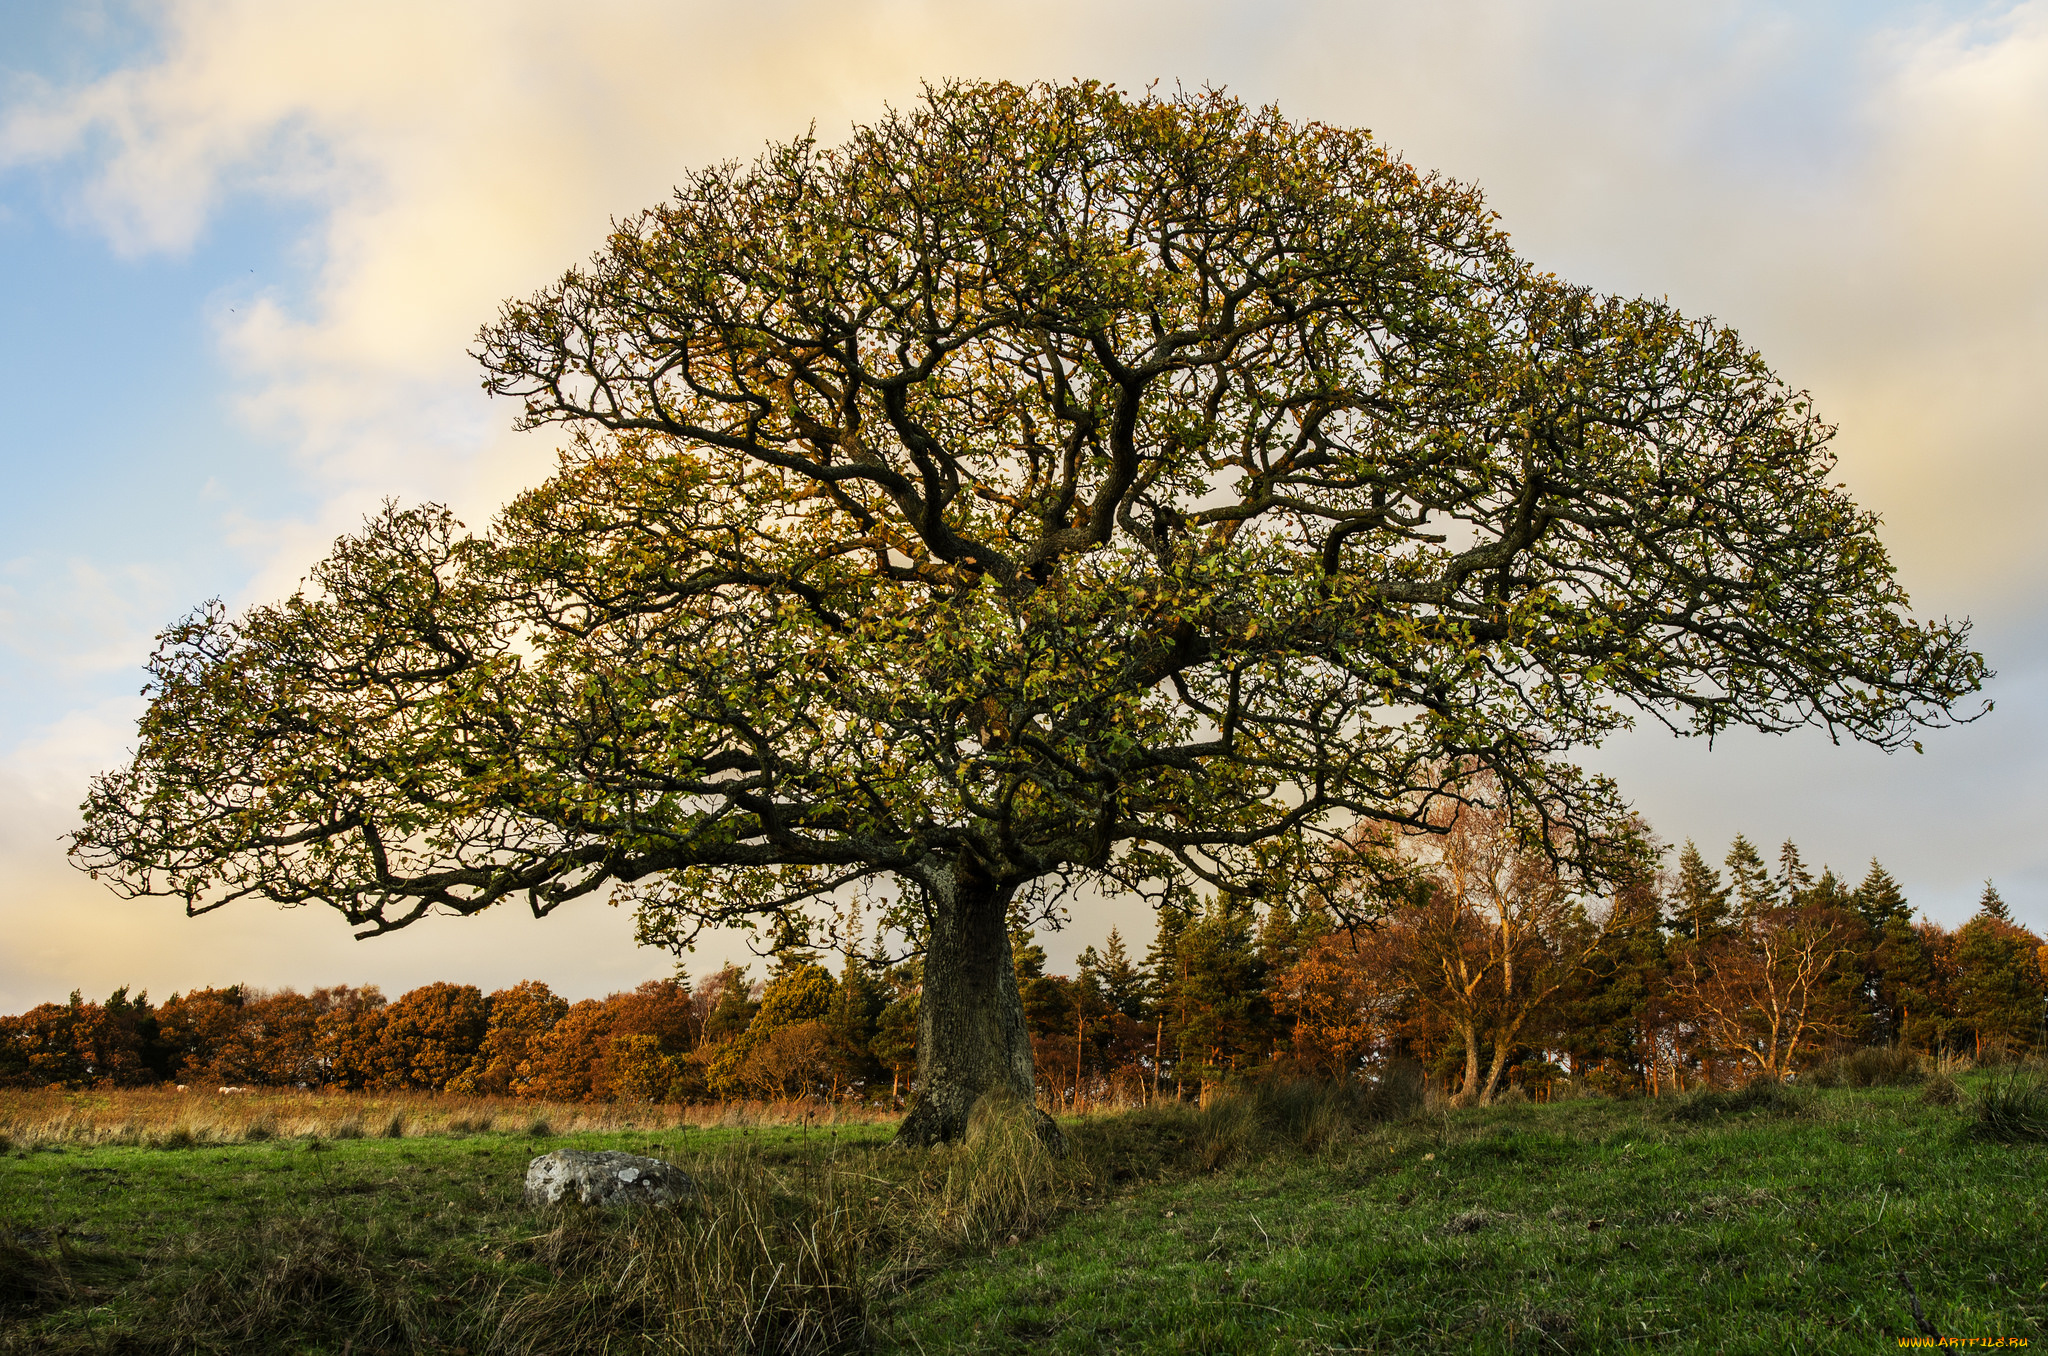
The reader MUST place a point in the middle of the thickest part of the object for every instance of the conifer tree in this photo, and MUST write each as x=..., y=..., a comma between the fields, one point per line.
x=1879, y=898
x=1748, y=879
x=1794, y=880
x=1699, y=901
x=1604, y=1017
x=1998, y=986
x=734, y=1010
x=857, y=1007
x=1852, y=987
x=1992, y=905
x=1226, y=1017
x=1122, y=986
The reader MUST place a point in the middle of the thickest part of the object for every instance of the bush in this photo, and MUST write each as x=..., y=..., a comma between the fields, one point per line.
x=1941, y=1090
x=1302, y=1115
x=2012, y=1110
x=1870, y=1067
x=1762, y=1097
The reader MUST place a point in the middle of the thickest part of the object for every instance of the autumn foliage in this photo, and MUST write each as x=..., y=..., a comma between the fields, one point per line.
x=1485, y=974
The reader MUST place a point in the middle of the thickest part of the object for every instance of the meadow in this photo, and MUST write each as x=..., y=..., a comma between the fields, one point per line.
x=1285, y=1218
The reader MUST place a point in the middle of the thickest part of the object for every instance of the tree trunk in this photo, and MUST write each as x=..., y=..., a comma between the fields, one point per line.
x=971, y=1036
x=1503, y=1045
x=1468, y=1091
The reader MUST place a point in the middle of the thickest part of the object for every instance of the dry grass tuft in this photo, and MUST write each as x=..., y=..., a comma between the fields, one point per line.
x=745, y=1265
x=1000, y=1183
x=1297, y=1116
x=1871, y=1067
x=1941, y=1090
x=2012, y=1110
x=33, y=1117
x=1760, y=1097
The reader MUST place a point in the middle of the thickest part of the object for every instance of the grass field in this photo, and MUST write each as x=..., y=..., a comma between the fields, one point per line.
x=1278, y=1222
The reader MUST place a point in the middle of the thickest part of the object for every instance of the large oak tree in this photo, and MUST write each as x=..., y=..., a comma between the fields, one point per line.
x=1044, y=485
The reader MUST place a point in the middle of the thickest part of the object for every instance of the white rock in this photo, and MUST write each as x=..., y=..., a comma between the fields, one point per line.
x=603, y=1177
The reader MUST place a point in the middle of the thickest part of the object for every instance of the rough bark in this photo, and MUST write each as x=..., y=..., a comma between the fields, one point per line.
x=972, y=1040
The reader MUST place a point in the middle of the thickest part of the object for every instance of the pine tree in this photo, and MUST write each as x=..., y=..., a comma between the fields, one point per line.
x=1748, y=879
x=1123, y=987
x=1998, y=988
x=1992, y=905
x=1227, y=1019
x=1699, y=902
x=1604, y=1018
x=1853, y=991
x=1896, y=969
x=1794, y=880
x=791, y=947
x=734, y=1010
x=856, y=1008
x=1048, y=1008
x=1879, y=898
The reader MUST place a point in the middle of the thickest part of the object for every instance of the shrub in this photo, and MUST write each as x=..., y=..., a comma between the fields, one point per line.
x=1870, y=1067
x=1762, y=1097
x=1298, y=1114
x=1941, y=1090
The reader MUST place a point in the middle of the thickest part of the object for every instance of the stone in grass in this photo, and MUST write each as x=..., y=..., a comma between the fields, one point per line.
x=606, y=1177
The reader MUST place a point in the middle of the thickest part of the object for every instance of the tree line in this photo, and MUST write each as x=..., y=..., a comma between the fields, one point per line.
x=1482, y=967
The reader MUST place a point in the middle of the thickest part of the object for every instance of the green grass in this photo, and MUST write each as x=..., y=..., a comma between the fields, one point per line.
x=1585, y=1226
x=1282, y=1223
x=319, y=1245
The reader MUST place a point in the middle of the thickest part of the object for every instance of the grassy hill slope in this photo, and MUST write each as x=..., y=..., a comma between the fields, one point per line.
x=1275, y=1222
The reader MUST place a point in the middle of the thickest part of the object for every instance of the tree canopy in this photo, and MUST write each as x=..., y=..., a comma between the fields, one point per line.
x=1042, y=483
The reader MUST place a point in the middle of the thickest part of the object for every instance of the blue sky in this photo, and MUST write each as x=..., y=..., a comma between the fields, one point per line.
x=243, y=246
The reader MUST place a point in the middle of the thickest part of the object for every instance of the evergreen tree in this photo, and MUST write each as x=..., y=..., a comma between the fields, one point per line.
x=1879, y=898
x=1121, y=985
x=1748, y=879
x=1992, y=905
x=1699, y=902
x=1604, y=1017
x=1028, y=955
x=1998, y=987
x=1163, y=966
x=857, y=1007
x=1048, y=1007
x=1852, y=990
x=895, y=1042
x=734, y=1010
x=791, y=947
x=1226, y=1018
x=1794, y=880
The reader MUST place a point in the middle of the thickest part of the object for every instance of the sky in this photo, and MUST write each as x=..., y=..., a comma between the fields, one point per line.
x=245, y=245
